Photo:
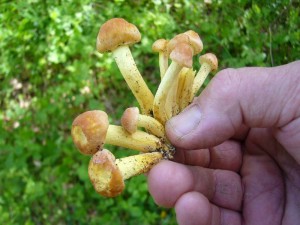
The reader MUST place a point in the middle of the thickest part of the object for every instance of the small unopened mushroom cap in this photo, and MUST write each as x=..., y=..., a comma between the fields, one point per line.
x=210, y=59
x=89, y=131
x=105, y=175
x=183, y=55
x=160, y=45
x=116, y=32
x=130, y=119
x=195, y=41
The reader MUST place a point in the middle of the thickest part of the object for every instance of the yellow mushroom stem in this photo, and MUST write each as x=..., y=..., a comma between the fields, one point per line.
x=171, y=102
x=209, y=63
x=133, y=78
x=184, y=88
x=161, y=113
x=200, y=77
x=160, y=46
x=107, y=174
x=163, y=63
x=137, y=164
x=140, y=140
x=152, y=125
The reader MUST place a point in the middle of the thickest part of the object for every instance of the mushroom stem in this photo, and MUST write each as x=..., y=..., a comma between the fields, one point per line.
x=163, y=63
x=171, y=103
x=137, y=164
x=107, y=174
x=160, y=46
x=140, y=140
x=209, y=62
x=152, y=125
x=200, y=77
x=159, y=106
x=184, y=90
x=133, y=78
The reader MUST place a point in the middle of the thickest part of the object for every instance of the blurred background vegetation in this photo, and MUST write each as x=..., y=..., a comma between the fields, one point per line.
x=50, y=72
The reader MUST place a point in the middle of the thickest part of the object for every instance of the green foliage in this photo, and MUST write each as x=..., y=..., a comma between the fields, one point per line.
x=50, y=72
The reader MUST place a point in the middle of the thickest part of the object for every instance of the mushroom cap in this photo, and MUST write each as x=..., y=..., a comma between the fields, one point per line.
x=160, y=45
x=89, y=131
x=183, y=55
x=210, y=59
x=116, y=32
x=105, y=175
x=195, y=41
x=130, y=119
x=179, y=38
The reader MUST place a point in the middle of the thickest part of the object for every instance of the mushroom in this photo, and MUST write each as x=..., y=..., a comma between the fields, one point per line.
x=160, y=46
x=107, y=174
x=181, y=56
x=116, y=35
x=164, y=106
x=132, y=119
x=190, y=37
x=209, y=62
x=91, y=129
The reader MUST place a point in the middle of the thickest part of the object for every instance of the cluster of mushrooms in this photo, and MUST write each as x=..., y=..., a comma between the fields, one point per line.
x=142, y=131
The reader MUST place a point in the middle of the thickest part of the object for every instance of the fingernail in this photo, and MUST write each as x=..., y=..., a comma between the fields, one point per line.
x=186, y=121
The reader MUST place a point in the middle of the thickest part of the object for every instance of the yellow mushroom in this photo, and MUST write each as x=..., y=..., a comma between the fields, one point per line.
x=132, y=119
x=209, y=62
x=107, y=174
x=181, y=54
x=160, y=46
x=91, y=129
x=116, y=35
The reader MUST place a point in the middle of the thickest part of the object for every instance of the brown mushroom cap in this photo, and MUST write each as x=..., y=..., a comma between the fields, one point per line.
x=160, y=45
x=105, y=175
x=89, y=131
x=130, y=119
x=210, y=59
x=183, y=55
x=190, y=37
x=176, y=40
x=116, y=32
x=195, y=41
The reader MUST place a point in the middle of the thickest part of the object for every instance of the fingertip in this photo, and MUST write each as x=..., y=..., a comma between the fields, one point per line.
x=167, y=180
x=193, y=208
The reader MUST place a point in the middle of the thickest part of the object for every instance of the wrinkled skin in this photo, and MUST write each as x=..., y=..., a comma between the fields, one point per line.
x=238, y=151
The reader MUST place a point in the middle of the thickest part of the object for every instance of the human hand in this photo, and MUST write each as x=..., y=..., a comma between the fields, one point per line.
x=238, y=151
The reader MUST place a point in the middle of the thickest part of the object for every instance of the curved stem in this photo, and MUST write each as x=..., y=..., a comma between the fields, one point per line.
x=152, y=125
x=200, y=77
x=134, y=79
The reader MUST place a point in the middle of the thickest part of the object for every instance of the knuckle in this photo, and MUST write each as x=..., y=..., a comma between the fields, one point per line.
x=226, y=84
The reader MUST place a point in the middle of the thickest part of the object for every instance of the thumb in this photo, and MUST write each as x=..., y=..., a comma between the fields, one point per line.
x=252, y=97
